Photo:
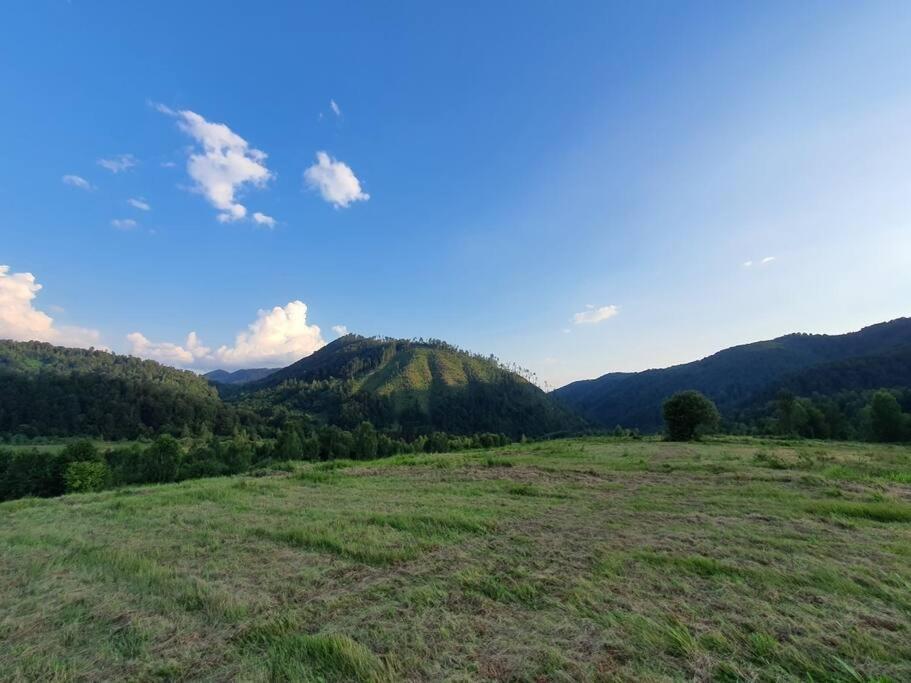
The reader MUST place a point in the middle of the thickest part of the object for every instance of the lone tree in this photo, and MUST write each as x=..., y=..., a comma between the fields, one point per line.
x=688, y=414
x=886, y=417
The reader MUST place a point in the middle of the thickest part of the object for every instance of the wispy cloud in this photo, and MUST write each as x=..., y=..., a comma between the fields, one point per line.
x=139, y=203
x=224, y=166
x=335, y=108
x=335, y=181
x=595, y=315
x=340, y=330
x=118, y=163
x=764, y=262
x=263, y=219
x=124, y=223
x=77, y=181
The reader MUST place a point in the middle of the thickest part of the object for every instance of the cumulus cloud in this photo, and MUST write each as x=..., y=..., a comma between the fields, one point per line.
x=77, y=181
x=335, y=108
x=224, y=166
x=595, y=315
x=124, y=223
x=335, y=181
x=340, y=330
x=139, y=203
x=119, y=163
x=277, y=337
x=263, y=219
x=166, y=352
x=21, y=321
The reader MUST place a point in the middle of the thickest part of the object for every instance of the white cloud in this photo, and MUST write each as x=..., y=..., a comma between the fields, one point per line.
x=747, y=264
x=168, y=164
x=767, y=260
x=21, y=321
x=77, y=181
x=166, y=352
x=277, y=337
x=139, y=203
x=124, y=223
x=595, y=315
x=340, y=330
x=335, y=108
x=225, y=166
x=263, y=219
x=566, y=330
x=335, y=181
x=116, y=164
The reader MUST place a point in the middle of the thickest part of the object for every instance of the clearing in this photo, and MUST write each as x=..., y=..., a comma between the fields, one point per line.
x=581, y=559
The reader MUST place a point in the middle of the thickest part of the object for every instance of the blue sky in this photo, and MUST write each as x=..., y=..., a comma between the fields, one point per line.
x=574, y=187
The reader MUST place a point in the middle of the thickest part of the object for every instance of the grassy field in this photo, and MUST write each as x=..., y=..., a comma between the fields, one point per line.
x=568, y=560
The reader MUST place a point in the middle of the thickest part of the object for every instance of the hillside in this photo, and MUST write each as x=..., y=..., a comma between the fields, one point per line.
x=238, y=376
x=55, y=391
x=739, y=377
x=412, y=386
x=576, y=560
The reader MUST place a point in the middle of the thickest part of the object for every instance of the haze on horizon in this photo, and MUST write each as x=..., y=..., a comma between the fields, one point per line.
x=577, y=189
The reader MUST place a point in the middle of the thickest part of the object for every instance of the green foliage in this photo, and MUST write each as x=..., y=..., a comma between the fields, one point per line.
x=161, y=460
x=887, y=421
x=689, y=414
x=365, y=441
x=87, y=475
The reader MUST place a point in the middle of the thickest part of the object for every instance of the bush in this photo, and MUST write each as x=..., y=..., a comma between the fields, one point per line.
x=688, y=415
x=84, y=476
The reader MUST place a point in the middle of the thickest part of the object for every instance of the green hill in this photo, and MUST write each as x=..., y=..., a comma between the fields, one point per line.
x=55, y=391
x=741, y=377
x=407, y=385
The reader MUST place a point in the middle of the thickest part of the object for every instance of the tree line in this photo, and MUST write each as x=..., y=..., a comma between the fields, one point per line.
x=83, y=466
x=880, y=415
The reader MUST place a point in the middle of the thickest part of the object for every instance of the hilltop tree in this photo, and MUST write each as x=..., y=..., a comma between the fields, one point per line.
x=688, y=414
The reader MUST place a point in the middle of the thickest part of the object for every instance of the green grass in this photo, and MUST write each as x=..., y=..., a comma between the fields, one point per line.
x=594, y=559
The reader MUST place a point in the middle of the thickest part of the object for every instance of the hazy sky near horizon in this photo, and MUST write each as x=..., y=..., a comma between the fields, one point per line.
x=576, y=187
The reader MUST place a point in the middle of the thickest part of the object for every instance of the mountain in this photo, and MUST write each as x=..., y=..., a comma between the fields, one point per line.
x=238, y=376
x=55, y=391
x=412, y=386
x=739, y=377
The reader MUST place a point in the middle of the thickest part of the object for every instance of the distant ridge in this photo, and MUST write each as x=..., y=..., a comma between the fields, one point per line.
x=739, y=377
x=238, y=376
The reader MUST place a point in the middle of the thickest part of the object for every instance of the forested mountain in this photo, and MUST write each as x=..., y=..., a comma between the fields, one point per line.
x=55, y=391
x=238, y=376
x=407, y=386
x=742, y=378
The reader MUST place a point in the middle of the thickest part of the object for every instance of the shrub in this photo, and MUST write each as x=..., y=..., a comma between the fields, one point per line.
x=84, y=476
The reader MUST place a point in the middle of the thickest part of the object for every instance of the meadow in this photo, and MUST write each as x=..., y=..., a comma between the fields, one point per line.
x=581, y=559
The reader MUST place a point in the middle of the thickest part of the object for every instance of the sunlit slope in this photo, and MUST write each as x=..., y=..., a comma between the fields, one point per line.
x=424, y=384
